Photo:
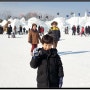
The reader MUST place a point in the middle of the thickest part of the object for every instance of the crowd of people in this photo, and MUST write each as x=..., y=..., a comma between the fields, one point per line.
x=78, y=30
x=11, y=32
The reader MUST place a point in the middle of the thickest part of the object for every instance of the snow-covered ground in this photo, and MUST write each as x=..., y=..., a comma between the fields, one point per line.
x=75, y=55
x=15, y=70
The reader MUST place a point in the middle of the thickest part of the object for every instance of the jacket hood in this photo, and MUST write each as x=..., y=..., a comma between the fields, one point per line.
x=34, y=30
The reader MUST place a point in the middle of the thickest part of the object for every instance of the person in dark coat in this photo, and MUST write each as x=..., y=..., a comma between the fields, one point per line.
x=86, y=30
x=50, y=70
x=9, y=30
x=15, y=29
x=1, y=29
x=54, y=31
x=24, y=30
x=89, y=30
x=78, y=30
x=20, y=29
x=74, y=30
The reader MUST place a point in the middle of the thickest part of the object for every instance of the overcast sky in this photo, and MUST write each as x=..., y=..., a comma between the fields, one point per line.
x=51, y=8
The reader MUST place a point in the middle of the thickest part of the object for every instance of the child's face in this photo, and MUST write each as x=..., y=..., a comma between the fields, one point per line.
x=34, y=27
x=47, y=46
x=54, y=25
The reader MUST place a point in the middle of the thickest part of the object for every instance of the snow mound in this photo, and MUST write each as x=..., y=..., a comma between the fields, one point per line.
x=3, y=22
x=38, y=22
x=60, y=20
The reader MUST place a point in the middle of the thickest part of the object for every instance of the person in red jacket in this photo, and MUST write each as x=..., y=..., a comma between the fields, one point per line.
x=42, y=30
x=83, y=31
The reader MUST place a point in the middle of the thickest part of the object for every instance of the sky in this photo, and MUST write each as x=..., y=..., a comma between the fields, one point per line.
x=51, y=8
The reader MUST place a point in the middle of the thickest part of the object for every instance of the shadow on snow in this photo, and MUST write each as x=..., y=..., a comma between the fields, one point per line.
x=71, y=52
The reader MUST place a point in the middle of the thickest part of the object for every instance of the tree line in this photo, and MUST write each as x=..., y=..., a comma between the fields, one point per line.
x=7, y=14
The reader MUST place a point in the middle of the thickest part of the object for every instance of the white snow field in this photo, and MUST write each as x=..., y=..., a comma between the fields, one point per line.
x=15, y=70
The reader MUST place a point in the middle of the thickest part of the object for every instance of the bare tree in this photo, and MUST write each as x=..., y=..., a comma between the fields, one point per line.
x=47, y=17
x=31, y=14
x=40, y=16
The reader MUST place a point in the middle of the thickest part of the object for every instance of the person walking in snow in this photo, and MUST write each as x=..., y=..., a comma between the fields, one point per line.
x=15, y=29
x=89, y=30
x=74, y=30
x=9, y=30
x=33, y=37
x=78, y=30
x=1, y=29
x=66, y=30
x=86, y=30
x=50, y=69
x=24, y=30
x=54, y=31
x=20, y=29
x=41, y=30
x=83, y=31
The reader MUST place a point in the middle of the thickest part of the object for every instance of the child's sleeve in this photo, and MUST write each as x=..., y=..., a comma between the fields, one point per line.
x=35, y=62
x=60, y=67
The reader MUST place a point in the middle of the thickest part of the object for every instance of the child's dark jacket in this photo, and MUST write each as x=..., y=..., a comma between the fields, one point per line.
x=50, y=68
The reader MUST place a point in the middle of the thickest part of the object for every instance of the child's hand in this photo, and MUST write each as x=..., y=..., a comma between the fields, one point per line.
x=35, y=52
x=60, y=82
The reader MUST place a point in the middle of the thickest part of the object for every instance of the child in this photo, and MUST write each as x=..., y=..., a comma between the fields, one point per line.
x=55, y=33
x=50, y=70
x=33, y=37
